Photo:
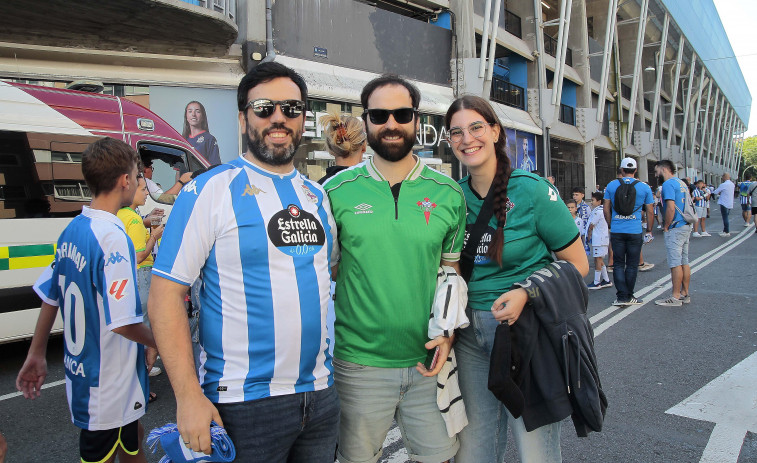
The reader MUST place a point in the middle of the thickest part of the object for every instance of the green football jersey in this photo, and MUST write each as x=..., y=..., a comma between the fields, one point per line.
x=538, y=223
x=390, y=254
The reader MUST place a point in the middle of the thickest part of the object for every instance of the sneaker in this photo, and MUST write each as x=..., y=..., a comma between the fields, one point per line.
x=686, y=299
x=696, y=235
x=593, y=285
x=724, y=234
x=620, y=304
x=659, y=227
x=635, y=301
x=609, y=269
x=605, y=284
x=704, y=234
x=646, y=266
x=669, y=302
x=155, y=371
x=746, y=225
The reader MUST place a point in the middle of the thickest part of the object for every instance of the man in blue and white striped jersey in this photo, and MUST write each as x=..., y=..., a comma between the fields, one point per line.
x=261, y=236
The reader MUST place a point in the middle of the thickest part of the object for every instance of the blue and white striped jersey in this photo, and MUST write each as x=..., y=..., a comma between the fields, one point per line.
x=94, y=282
x=263, y=244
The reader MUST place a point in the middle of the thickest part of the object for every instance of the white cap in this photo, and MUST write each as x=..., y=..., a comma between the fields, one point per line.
x=628, y=163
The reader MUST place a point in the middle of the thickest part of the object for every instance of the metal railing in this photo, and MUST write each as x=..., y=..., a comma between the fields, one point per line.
x=508, y=94
x=512, y=24
x=550, y=47
x=227, y=8
x=567, y=114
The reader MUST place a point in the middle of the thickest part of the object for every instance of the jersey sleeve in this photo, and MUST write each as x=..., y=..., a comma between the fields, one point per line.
x=46, y=285
x=648, y=196
x=121, y=304
x=554, y=224
x=453, y=242
x=668, y=191
x=189, y=234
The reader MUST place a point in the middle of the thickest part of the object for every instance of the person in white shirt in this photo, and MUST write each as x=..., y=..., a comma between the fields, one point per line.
x=725, y=201
x=598, y=235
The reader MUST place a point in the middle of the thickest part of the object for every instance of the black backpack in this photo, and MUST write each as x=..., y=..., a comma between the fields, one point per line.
x=625, y=198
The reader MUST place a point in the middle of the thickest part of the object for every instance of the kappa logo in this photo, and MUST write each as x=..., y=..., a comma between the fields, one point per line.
x=363, y=208
x=251, y=190
x=191, y=186
x=115, y=258
x=117, y=288
x=426, y=206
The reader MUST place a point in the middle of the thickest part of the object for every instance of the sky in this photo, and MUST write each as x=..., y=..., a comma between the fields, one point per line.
x=739, y=19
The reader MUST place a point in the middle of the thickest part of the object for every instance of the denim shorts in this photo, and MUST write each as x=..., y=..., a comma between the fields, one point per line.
x=144, y=277
x=294, y=428
x=372, y=397
x=677, y=245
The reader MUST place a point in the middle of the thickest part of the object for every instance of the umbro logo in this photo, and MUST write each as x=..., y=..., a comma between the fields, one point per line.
x=363, y=208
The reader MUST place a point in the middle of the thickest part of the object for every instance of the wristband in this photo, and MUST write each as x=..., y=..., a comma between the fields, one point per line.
x=182, y=183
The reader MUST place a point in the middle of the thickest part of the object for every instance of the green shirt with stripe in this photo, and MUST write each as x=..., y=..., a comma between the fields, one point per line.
x=538, y=223
x=390, y=255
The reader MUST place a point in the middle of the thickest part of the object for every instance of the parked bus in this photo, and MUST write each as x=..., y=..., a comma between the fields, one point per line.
x=43, y=132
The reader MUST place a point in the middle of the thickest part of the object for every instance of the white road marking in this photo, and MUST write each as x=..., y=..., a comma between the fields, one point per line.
x=650, y=292
x=729, y=401
x=400, y=456
x=44, y=386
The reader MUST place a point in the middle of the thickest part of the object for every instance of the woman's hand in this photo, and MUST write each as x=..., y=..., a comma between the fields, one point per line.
x=508, y=307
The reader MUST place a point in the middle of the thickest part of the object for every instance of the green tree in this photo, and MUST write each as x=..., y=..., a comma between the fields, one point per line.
x=750, y=156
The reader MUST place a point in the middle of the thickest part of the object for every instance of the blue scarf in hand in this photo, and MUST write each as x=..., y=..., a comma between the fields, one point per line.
x=177, y=452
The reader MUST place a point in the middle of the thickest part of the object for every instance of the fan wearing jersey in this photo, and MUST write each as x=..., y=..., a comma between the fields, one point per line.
x=93, y=280
x=197, y=133
x=398, y=221
x=261, y=236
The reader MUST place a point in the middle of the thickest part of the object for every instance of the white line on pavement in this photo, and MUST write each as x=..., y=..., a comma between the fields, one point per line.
x=655, y=289
x=44, y=386
x=400, y=456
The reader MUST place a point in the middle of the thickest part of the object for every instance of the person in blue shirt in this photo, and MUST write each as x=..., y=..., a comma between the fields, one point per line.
x=626, y=236
x=263, y=239
x=677, y=233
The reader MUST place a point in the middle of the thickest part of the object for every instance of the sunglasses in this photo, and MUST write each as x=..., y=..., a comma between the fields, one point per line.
x=401, y=115
x=264, y=107
x=476, y=129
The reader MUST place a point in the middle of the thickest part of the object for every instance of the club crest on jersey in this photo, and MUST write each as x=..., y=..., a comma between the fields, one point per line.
x=117, y=289
x=426, y=206
x=251, y=190
x=296, y=232
x=116, y=258
x=311, y=196
x=201, y=139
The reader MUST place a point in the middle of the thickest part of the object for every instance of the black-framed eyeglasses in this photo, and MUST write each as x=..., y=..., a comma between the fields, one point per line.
x=401, y=115
x=476, y=129
x=264, y=108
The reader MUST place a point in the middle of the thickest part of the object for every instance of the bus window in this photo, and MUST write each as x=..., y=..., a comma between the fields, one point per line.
x=163, y=167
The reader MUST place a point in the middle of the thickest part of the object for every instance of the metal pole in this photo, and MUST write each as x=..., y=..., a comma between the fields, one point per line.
x=660, y=70
x=687, y=104
x=484, y=39
x=714, y=153
x=493, y=46
x=696, y=115
x=563, y=49
x=672, y=119
x=704, y=122
x=637, y=67
x=612, y=9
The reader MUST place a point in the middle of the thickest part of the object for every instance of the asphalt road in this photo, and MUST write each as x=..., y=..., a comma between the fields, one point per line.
x=651, y=359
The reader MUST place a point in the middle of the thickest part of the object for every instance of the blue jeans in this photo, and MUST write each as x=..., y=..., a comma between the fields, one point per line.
x=626, y=249
x=724, y=211
x=484, y=440
x=294, y=428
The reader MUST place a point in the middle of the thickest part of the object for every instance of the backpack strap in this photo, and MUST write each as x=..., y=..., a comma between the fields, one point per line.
x=474, y=239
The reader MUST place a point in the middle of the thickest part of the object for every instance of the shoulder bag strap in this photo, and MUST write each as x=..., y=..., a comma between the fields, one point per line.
x=469, y=252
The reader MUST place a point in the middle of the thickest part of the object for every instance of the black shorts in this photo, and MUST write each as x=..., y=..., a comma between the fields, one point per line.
x=97, y=446
x=754, y=210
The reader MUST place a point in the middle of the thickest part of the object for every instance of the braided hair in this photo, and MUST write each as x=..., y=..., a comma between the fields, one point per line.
x=504, y=168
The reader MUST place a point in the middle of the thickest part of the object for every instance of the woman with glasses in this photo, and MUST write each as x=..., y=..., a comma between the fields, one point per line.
x=528, y=223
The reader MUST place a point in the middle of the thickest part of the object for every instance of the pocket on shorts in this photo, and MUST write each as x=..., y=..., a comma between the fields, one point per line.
x=346, y=366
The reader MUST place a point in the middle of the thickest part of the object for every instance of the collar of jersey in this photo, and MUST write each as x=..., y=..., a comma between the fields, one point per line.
x=101, y=214
x=265, y=172
x=414, y=173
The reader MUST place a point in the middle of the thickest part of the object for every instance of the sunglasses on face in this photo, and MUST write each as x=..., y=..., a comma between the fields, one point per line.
x=264, y=107
x=381, y=116
x=476, y=129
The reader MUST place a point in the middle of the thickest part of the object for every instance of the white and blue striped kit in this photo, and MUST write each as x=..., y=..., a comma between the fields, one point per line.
x=263, y=244
x=93, y=280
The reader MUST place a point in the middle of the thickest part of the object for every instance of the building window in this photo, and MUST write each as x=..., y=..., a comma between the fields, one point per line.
x=567, y=114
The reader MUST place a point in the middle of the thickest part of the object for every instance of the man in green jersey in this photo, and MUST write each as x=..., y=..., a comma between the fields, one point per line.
x=397, y=220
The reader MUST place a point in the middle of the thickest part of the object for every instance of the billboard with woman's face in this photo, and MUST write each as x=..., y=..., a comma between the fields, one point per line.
x=207, y=118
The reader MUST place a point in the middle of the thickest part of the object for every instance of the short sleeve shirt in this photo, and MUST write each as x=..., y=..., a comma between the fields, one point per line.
x=391, y=251
x=93, y=280
x=137, y=231
x=206, y=144
x=630, y=223
x=599, y=234
x=263, y=244
x=675, y=190
x=538, y=223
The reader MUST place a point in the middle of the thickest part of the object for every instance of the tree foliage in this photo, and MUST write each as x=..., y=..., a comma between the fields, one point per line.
x=750, y=155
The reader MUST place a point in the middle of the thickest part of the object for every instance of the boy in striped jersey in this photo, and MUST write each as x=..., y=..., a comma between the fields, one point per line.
x=261, y=236
x=93, y=280
x=700, y=196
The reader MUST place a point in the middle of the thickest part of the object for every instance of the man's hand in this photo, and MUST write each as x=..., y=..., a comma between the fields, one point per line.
x=193, y=417
x=186, y=177
x=445, y=345
x=31, y=377
x=508, y=307
x=151, y=355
